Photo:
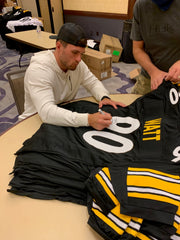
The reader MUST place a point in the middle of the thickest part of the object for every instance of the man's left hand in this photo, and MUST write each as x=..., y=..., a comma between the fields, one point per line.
x=174, y=72
x=107, y=101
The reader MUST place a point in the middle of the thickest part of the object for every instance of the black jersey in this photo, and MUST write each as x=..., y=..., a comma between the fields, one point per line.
x=56, y=161
x=147, y=131
x=142, y=144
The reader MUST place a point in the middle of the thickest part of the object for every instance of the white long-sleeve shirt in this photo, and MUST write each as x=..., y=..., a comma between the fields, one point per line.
x=46, y=85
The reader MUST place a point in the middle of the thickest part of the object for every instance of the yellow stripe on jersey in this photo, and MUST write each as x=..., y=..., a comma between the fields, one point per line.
x=178, y=211
x=134, y=226
x=107, y=189
x=106, y=171
x=176, y=223
x=116, y=212
x=178, y=229
x=126, y=223
x=143, y=237
x=151, y=182
x=131, y=231
x=108, y=221
x=153, y=197
x=137, y=220
x=106, y=179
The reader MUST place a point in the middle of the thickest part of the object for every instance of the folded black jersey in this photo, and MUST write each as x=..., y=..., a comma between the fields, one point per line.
x=56, y=161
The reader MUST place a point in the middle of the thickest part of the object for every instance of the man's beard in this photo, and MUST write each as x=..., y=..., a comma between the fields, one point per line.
x=71, y=67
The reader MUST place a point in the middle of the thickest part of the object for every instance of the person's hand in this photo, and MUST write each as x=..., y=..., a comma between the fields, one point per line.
x=107, y=101
x=99, y=121
x=157, y=78
x=174, y=72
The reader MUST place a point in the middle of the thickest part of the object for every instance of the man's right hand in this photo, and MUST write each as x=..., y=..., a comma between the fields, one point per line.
x=157, y=78
x=99, y=121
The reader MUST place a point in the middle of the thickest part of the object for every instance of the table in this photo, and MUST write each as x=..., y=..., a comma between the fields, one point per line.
x=23, y=218
x=36, y=41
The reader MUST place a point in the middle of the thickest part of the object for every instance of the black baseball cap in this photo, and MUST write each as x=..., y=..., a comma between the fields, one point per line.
x=72, y=33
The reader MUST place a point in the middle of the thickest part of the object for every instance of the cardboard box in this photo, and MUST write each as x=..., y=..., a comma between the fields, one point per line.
x=9, y=4
x=111, y=45
x=99, y=63
x=134, y=73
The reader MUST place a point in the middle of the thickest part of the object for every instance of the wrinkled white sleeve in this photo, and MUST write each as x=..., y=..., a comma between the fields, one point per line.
x=42, y=96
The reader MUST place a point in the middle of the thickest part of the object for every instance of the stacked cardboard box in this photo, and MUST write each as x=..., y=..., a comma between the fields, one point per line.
x=134, y=73
x=99, y=63
x=111, y=45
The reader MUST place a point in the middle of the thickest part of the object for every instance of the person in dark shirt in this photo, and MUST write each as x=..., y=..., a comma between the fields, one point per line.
x=156, y=37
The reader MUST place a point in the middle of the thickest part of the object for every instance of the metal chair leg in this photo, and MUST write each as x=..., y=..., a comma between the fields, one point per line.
x=20, y=59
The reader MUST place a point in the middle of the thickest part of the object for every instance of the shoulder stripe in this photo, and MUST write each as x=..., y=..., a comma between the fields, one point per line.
x=153, y=191
x=159, y=173
x=106, y=179
x=135, y=225
x=142, y=173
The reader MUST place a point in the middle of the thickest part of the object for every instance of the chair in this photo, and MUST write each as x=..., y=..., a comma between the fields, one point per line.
x=16, y=81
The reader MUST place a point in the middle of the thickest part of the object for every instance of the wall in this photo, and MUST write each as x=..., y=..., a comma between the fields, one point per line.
x=116, y=9
x=107, y=6
x=98, y=17
x=95, y=27
x=29, y=5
